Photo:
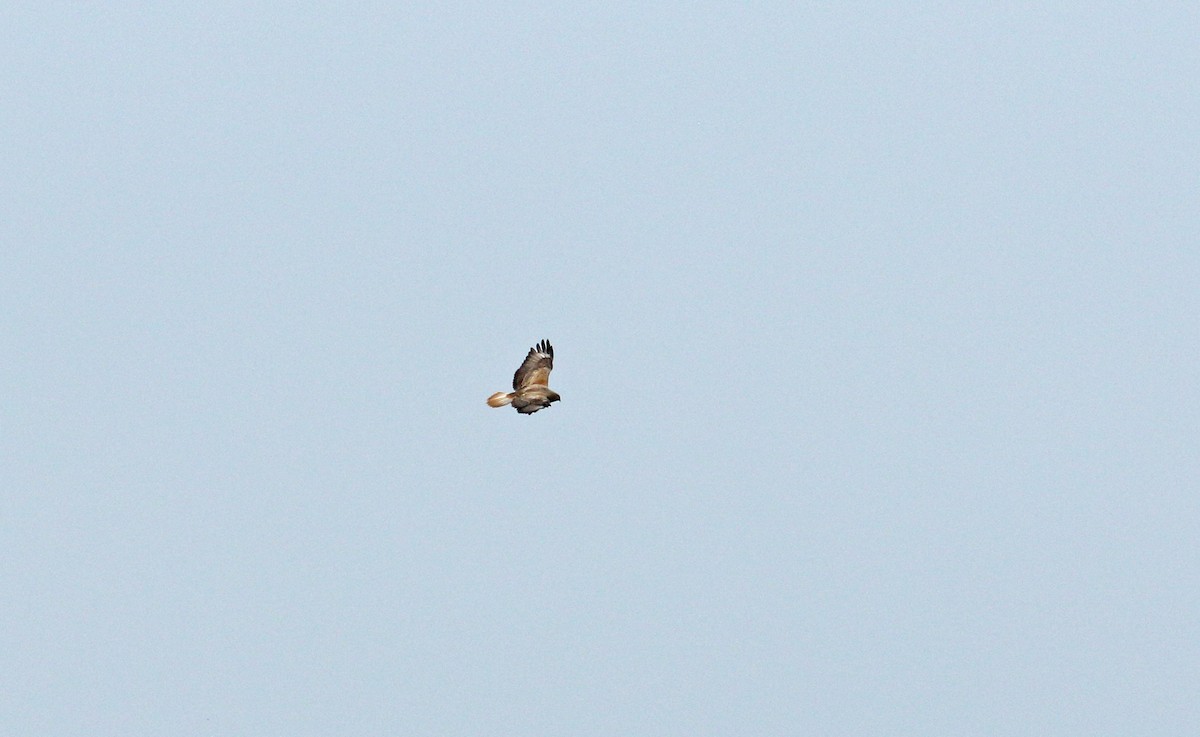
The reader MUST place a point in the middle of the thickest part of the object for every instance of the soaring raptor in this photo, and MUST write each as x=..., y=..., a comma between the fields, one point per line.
x=531, y=390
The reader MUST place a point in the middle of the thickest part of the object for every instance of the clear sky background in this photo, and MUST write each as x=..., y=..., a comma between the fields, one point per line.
x=876, y=331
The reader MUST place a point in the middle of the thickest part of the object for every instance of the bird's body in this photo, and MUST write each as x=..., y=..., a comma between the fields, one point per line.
x=531, y=390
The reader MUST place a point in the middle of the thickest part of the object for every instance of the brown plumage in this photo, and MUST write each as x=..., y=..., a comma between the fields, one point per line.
x=531, y=390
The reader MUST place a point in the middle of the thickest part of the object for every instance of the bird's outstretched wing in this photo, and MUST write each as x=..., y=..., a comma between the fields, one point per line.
x=536, y=368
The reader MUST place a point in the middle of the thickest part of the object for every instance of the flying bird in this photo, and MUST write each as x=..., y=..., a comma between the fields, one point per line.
x=531, y=390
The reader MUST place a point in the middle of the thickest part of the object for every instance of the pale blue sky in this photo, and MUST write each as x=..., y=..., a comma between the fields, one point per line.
x=876, y=332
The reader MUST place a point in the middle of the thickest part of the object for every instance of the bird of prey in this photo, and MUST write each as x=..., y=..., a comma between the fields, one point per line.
x=531, y=390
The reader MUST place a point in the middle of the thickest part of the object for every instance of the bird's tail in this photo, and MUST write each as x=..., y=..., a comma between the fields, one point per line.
x=499, y=399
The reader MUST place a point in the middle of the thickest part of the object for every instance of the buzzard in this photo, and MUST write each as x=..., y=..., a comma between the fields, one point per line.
x=530, y=384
